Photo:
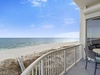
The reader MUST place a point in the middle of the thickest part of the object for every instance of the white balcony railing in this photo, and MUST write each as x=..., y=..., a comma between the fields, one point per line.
x=56, y=62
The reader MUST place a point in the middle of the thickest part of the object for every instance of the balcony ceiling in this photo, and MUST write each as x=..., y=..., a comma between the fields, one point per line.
x=83, y=3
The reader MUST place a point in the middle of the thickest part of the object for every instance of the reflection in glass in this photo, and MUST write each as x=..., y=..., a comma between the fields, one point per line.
x=93, y=32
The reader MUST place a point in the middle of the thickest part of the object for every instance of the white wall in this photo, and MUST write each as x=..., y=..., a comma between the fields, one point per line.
x=94, y=13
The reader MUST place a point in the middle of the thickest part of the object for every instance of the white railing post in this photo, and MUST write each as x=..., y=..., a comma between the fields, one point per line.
x=75, y=55
x=42, y=67
x=64, y=61
x=32, y=71
x=80, y=51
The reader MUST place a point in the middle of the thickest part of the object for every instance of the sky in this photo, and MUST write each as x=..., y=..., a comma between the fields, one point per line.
x=39, y=18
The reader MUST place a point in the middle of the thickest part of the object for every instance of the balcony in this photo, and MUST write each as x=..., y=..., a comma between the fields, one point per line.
x=55, y=62
x=64, y=61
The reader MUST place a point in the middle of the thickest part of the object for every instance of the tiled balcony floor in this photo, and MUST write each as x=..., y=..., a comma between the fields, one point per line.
x=79, y=69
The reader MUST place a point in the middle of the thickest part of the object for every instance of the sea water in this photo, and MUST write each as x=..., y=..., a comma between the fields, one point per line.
x=8, y=43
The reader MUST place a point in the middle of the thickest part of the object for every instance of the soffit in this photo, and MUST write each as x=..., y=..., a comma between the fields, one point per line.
x=86, y=3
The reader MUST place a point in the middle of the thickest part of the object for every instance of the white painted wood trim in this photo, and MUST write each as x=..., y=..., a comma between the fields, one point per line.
x=92, y=9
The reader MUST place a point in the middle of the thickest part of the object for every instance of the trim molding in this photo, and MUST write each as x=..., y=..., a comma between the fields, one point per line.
x=92, y=9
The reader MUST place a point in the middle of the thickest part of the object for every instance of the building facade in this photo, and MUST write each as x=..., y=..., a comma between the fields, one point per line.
x=89, y=22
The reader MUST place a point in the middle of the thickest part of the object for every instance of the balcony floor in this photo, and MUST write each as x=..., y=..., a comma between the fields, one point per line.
x=79, y=69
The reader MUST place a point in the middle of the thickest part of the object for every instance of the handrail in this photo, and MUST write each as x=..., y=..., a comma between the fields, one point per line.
x=32, y=65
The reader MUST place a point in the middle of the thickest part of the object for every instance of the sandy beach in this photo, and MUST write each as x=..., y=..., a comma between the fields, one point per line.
x=17, y=52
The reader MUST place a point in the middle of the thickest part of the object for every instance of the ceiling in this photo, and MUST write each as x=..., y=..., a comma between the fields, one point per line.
x=86, y=3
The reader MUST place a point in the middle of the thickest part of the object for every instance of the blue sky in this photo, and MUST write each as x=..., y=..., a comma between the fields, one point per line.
x=39, y=18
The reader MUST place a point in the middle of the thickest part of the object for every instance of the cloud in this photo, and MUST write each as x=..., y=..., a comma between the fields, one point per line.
x=43, y=26
x=77, y=8
x=37, y=3
x=49, y=14
x=32, y=26
x=42, y=16
x=44, y=0
x=48, y=26
x=68, y=35
x=72, y=3
x=68, y=21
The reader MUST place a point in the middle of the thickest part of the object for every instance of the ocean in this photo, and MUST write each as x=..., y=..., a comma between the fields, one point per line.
x=9, y=43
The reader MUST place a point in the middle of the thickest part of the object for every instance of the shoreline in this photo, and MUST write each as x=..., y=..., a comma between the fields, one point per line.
x=18, y=52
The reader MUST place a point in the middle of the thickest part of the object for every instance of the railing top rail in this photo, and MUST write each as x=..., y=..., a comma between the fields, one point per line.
x=29, y=68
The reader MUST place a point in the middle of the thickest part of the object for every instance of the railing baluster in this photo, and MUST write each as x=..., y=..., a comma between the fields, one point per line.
x=46, y=65
x=75, y=55
x=56, y=63
x=42, y=67
x=50, y=65
x=39, y=68
x=36, y=70
x=32, y=71
x=53, y=64
x=59, y=64
x=64, y=61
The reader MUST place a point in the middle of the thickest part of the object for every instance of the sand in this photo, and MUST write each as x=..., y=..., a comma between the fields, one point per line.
x=17, y=52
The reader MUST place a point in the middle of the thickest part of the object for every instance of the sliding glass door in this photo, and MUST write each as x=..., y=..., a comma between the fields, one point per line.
x=93, y=32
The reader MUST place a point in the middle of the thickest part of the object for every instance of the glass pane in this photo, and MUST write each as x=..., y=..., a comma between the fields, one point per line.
x=93, y=32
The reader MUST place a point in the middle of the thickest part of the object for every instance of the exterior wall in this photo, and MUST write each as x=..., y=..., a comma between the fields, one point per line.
x=83, y=18
x=82, y=30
